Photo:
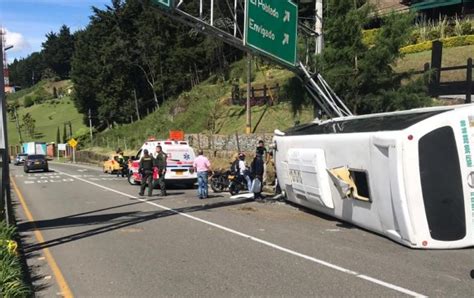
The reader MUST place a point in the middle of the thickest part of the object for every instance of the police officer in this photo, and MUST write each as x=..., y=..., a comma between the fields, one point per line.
x=160, y=162
x=146, y=169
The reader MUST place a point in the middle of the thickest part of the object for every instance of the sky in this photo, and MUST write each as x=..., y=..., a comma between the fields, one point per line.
x=28, y=21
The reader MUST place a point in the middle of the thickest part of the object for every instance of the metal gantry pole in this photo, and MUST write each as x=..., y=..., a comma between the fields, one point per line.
x=212, y=12
x=235, y=18
x=319, y=26
x=200, y=9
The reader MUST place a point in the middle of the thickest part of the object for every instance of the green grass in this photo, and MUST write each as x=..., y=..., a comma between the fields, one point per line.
x=451, y=57
x=49, y=116
x=206, y=109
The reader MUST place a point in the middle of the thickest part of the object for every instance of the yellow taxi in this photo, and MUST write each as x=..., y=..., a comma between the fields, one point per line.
x=112, y=164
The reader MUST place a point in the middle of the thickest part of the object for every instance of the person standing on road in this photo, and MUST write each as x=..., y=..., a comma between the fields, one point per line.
x=160, y=164
x=146, y=170
x=202, y=166
x=257, y=172
x=261, y=148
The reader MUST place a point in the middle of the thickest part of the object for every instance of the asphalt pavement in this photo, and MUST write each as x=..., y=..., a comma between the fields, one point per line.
x=88, y=234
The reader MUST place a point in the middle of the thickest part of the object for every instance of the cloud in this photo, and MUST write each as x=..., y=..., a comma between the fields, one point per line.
x=16, y=40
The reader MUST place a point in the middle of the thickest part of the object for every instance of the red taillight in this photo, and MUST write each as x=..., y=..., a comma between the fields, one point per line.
x=424, y=243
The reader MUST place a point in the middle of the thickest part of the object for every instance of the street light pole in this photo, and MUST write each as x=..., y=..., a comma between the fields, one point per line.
x=5, y=199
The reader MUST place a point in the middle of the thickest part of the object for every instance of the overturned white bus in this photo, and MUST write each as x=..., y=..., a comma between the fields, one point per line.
x=407, y=175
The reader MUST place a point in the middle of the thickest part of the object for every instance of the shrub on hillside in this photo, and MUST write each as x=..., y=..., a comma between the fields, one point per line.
x=28, y=101
x=239, y=71
x=450, y=42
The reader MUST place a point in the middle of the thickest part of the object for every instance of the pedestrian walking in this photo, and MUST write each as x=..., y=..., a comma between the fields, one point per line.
x=146, y=170
x=256, y=169
x=160, y=163
x=202, y=166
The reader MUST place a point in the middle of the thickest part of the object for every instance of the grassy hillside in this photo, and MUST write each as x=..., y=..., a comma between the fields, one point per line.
x=49, y=115
x=451, y=57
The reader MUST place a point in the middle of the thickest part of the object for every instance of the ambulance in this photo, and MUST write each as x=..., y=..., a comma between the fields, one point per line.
x=179, y=162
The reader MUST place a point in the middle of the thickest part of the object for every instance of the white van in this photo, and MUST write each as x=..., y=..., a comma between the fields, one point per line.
x=180, y=159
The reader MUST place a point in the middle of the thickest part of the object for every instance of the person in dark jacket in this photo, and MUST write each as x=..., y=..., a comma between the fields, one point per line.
x=160, y=164
x=146, y=170
x=257, y=170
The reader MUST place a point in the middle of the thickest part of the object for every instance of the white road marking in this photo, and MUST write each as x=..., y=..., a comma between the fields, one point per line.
x=261, y=241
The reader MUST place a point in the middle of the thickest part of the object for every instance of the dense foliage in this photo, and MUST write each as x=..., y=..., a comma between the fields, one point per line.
x=132, y=56
x=364, y=76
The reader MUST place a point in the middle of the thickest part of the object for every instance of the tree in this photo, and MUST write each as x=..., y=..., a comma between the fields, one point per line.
x=28, y=123
x=64, y=134
x=58, y=50
x=362, y=76
x=58, y=137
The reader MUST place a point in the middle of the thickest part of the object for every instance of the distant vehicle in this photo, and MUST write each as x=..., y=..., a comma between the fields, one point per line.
x=408, y=175
x=20, y=159
x=36, y=162
x=34, y=148
x=179, y=162
x=112, y=165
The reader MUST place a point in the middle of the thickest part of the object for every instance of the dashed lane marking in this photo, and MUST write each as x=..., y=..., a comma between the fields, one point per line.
x=263, y=242
x=65, y=290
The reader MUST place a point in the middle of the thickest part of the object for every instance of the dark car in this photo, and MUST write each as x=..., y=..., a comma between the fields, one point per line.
x=20, y=158
x=36, y=162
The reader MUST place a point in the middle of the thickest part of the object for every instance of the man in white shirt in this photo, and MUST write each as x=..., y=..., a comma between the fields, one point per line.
x=243, y=171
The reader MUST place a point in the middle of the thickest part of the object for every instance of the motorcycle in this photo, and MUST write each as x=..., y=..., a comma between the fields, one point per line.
x=220, y=181
x=236, y=184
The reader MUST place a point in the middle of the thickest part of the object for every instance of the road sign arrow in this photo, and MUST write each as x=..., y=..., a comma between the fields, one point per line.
x=286, y=18
x=286, y=39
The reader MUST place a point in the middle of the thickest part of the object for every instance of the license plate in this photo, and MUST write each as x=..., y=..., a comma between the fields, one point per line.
x=231, y=177
x=179, y=173
x=37, y=162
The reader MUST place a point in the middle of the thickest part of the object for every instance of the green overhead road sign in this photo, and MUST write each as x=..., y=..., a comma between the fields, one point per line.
x=271, y=28
x=163, y=3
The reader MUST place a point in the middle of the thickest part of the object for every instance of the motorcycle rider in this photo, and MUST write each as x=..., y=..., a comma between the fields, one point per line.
x=243, y=172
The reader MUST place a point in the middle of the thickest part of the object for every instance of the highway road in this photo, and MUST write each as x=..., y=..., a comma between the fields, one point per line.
x=88, y=234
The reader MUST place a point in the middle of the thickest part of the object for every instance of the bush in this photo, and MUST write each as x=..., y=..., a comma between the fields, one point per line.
x=11, y=274
x=368, y=36
x=28, y=101
x=450, y=42
x=239, y=71
x=434, y=34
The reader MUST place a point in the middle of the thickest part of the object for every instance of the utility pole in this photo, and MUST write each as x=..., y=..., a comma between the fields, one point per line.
x=319, y=26
x=90, y=124
x=248, y=126
x=136, y=103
